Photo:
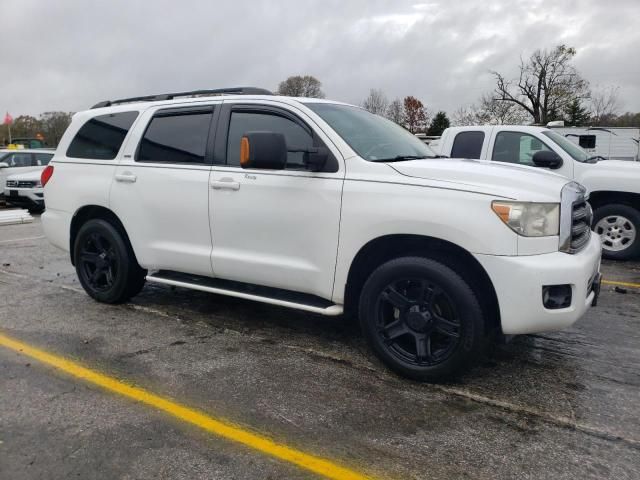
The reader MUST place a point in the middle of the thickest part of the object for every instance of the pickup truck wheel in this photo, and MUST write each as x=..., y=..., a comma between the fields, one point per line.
x=105, y=264
x=619, y=228
x=421, y=318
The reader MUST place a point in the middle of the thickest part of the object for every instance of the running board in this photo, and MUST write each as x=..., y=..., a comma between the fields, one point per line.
x=273, y=296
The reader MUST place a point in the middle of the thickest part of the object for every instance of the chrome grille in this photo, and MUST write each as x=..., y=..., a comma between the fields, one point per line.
x=575, y=218
x=21, y=183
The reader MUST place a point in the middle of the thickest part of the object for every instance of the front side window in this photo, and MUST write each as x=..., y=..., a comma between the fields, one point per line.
x=176, y=138
x=467, y=145
x=296, y=136
x=517, y=147
x=372, y=137
x=102, y=136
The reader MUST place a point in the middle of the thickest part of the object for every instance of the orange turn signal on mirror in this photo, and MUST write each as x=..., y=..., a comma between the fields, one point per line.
x=502, y=211
x=244, y=151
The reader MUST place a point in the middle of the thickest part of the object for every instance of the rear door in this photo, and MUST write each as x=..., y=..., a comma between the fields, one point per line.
x=277, y=228
x=161, y=187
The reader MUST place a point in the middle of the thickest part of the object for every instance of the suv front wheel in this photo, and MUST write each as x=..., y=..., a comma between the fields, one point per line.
x=421, y=318
x=105, y=263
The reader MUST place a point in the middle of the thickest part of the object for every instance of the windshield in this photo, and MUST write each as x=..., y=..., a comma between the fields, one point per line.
x=568, y=146
x=372, y=137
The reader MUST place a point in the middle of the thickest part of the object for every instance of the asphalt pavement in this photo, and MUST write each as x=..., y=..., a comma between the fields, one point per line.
x=561, y=405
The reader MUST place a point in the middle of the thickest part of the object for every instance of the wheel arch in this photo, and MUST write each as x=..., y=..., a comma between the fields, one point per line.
x=601, y=198
x=385, y=248
x=90, y=212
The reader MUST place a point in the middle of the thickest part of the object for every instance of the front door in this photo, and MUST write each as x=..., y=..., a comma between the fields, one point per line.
x=277, y=228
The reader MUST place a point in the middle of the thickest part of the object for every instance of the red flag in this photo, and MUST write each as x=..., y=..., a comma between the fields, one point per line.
x=8, y=119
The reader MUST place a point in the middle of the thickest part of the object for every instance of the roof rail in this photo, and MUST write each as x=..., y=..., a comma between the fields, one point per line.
x=194, y=93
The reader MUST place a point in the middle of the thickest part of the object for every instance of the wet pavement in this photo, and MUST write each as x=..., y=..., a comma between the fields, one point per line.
x=558, y=405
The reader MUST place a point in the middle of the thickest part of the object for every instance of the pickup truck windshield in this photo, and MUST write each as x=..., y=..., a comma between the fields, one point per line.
x=374, y=138
x=568, y=146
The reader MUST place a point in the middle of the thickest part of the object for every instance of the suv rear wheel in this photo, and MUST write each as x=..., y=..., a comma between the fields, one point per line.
x=105, y=263
x=619, y=228
x=421, y=318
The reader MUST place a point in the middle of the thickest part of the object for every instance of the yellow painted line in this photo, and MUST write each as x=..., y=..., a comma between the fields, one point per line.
x=220, y=428
x=621, y=284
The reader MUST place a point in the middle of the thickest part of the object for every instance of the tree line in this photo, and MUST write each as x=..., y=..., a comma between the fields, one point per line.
x=48, y=126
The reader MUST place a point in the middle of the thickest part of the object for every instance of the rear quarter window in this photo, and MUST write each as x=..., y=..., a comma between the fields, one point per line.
x=101, y=137
x=467, y=145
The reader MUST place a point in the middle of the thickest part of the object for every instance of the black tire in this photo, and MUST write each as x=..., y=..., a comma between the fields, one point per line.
x=406, y=306
x=105, y=263
x=618, y=226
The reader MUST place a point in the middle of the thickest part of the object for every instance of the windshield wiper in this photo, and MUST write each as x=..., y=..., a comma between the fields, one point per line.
x=401, y=158
x=594, y=159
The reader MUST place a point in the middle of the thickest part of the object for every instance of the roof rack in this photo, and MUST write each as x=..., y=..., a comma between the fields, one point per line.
x=194, y=93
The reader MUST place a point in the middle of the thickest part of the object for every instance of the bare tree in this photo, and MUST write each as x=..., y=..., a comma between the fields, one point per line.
x=604, y=104
x=376, y=102
x=301, y=86
x=395, y=112
x=54, y=124
x=489, y=111
x=500, y=112
x=547, y=83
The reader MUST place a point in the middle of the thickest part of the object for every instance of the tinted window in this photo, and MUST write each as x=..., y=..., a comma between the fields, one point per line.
x=101, y=137
x=43, y=158
x=18, y=160
x=467, y=145
x=587, y=141
x=176, y=138
x=296, y=136
x=517, y=147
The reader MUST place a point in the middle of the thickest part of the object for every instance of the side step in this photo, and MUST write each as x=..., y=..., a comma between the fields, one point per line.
x=274, y=296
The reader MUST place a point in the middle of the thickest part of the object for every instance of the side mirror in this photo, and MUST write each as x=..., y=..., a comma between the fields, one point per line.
x=4, y=165
x=266, y=150
x=547, y=159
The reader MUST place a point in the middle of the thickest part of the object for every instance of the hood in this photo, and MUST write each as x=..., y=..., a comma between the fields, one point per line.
x=529, y=184
x=623, y=167
x=27, y=176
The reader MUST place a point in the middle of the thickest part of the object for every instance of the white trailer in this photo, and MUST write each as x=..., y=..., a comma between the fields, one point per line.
x=611, y=143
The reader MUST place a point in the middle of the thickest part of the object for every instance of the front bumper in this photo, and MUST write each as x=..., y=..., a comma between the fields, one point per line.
x=27, y=197
x=518, y=283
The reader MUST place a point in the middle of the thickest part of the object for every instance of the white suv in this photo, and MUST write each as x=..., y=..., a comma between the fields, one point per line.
x=324, y=207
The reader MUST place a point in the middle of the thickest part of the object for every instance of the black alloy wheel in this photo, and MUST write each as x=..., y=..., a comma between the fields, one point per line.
x=421, y=318
x=417, y=321
x=105, y=263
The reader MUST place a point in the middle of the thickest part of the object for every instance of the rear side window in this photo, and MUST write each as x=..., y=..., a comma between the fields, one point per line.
x=176, y=138
x=102, y=136
x=467, y=145
x=43, y=159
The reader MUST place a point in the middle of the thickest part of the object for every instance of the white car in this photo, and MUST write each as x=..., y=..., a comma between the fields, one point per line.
x=613, y=186
x=25, y=190
x=324, y=207
x=21, y=161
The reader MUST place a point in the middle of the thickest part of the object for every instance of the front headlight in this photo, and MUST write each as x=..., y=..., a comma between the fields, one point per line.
x=529, y=219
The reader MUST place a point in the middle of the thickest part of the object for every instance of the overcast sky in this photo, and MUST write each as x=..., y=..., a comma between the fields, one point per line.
x=68, y=55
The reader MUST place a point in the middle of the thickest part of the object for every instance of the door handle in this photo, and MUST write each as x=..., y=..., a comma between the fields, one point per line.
x=225, y=183
x=126, y=177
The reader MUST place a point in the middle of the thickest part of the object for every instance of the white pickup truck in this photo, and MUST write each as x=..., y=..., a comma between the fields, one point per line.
x=324, y=207
x=613, y=186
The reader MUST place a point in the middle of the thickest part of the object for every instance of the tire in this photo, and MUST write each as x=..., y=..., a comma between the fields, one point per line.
x=618, y=226
x=421, y=318
x=105, y=263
